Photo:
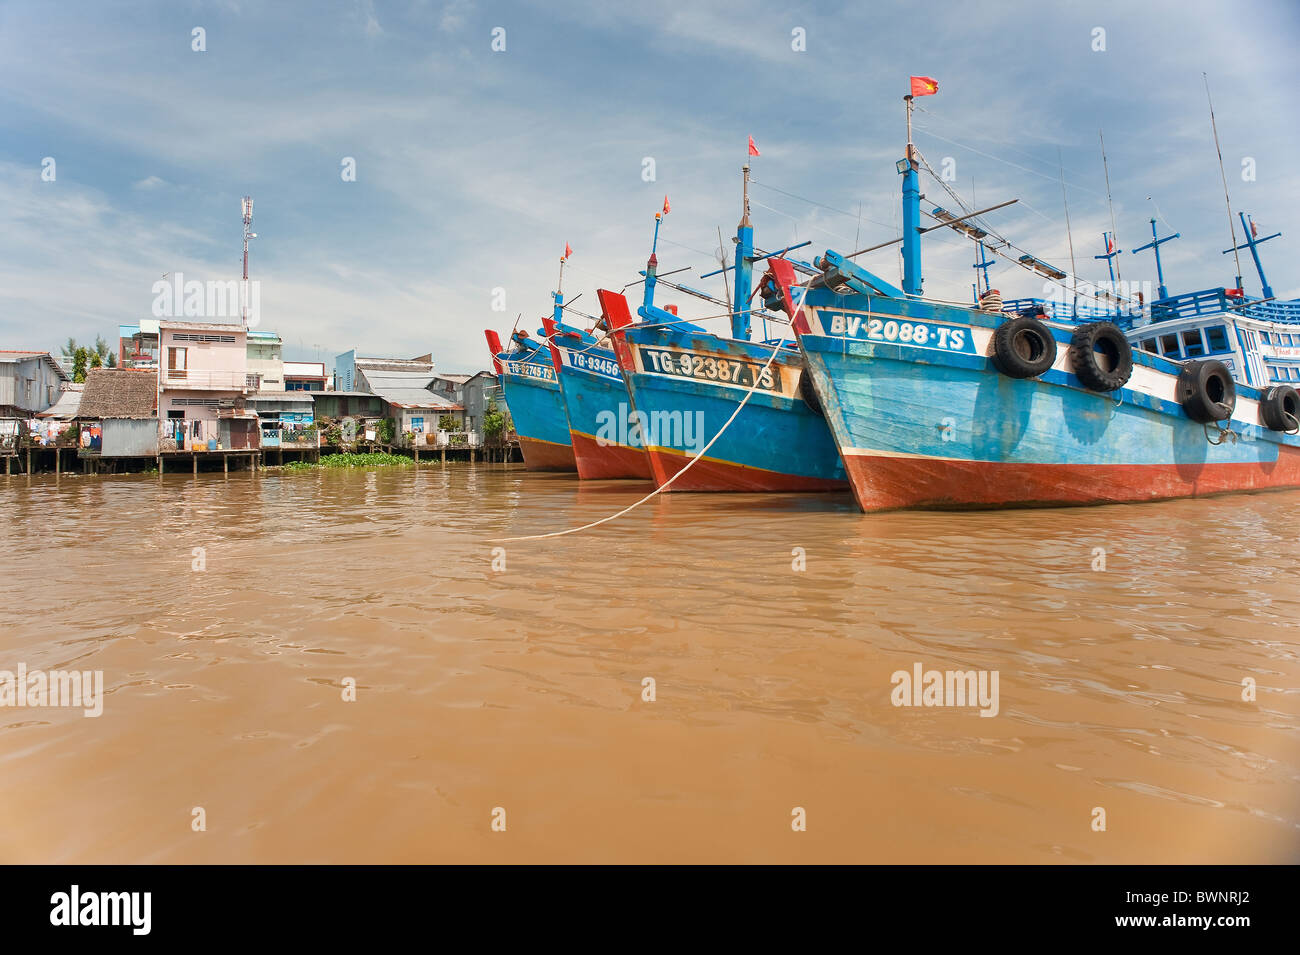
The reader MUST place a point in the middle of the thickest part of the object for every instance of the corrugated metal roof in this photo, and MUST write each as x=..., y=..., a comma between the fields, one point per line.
x=65, y=409
x=406, y=389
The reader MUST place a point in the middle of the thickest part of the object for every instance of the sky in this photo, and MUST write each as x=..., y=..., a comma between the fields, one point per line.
x=474, y=166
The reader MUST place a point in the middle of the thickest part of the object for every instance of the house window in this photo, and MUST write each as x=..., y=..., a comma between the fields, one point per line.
x=27, y=389
x=1169, y=344
x=1149, y=345
x=1192, y=342
x=175, y=362
x=417, y=425
x=1218, y=338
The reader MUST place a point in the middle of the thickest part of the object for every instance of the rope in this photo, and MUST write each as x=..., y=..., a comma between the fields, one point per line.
x=776, y=350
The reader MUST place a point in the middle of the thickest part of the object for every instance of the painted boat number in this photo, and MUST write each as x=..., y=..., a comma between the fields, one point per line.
x=924, y=334
x=528, y=369
x=589, y=361
x=711, y=368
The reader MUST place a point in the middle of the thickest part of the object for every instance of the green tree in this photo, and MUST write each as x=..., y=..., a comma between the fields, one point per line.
x=102, y=351
x=494, y=422
x=80, y=358
x=95, y=360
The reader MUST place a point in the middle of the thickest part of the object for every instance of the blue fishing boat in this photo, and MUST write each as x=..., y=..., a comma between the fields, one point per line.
x=937, y=405
x=604, y=432
x=532, y=393
x=685, y=384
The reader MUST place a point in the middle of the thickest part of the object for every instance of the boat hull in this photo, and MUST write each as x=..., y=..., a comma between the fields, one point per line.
x=597, y=409
x=532, y=393
x=922, y=426
x=684, y=386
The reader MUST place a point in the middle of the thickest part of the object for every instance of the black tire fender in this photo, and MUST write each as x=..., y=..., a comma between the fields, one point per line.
x=1279, y=408
x=1023, y=347
x=1101, y=356
x=1206, y=390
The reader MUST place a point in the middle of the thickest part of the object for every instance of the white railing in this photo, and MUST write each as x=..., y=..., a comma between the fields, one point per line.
x=176, y=378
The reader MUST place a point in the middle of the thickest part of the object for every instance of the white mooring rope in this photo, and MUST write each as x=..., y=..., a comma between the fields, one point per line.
x=776, y=350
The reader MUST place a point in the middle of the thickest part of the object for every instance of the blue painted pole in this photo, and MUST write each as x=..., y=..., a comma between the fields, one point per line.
x=557, y=312
x=652, y=268
x=1254, y=254
x=911, y=214
x=1110, y=264
x=1155, y=244
x=983, y=262
x=740, y=325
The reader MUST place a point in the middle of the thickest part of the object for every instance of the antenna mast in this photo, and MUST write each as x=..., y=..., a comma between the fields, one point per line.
x=246, y=207
x=1118, y=276
x=1232, y=228
x=1074, y=272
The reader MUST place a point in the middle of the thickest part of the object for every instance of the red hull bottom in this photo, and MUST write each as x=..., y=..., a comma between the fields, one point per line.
x=546, y=456
x=596, y=461
x=709, y=474
x=882, y=483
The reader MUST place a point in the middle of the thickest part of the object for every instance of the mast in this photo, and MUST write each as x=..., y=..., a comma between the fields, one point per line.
x=1232, y=228
x=982, y=263
x=1155, y=245
x=911, y=212
x=557, y=313
x=1111, y=251
x=652, y=268
x=740, y=328
x=1252, y=243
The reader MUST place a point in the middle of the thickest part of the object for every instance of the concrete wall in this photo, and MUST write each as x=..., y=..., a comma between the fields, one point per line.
x=216, y=366
x=265, y=360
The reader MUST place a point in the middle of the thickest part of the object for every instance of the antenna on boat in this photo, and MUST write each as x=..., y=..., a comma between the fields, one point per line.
x=1252, y=243
x=1074, y=271
x=1232, y=228
x=1116, y=275
x=1155, y=244
x=722, y=261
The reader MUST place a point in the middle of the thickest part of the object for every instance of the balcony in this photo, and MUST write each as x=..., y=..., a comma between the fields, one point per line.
x=295, y=439
x=178, y=379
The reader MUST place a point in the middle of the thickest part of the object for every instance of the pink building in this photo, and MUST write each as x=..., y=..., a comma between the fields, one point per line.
x=202, y=384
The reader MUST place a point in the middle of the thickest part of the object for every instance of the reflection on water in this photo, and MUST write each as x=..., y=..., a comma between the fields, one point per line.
x=1119, y=688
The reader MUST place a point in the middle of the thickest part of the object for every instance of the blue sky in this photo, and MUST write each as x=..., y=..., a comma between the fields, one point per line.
x=474, y=167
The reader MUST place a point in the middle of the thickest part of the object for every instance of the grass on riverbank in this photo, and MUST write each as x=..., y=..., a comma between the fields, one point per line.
x=377, y=459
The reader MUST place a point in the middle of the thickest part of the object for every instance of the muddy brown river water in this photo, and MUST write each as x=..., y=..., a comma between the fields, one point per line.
x=1120, y=638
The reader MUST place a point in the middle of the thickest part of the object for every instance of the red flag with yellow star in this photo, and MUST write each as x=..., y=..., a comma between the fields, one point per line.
x=924, y=86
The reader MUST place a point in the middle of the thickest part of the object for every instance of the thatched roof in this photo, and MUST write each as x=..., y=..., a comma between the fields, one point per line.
x=119, y=393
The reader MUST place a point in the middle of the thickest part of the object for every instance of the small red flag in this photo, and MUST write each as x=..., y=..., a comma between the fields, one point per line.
x=1110, y=244
x=568, y=251
x=667, y=207
x=753, y=150
x=924, y=86
x=1254, y=231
